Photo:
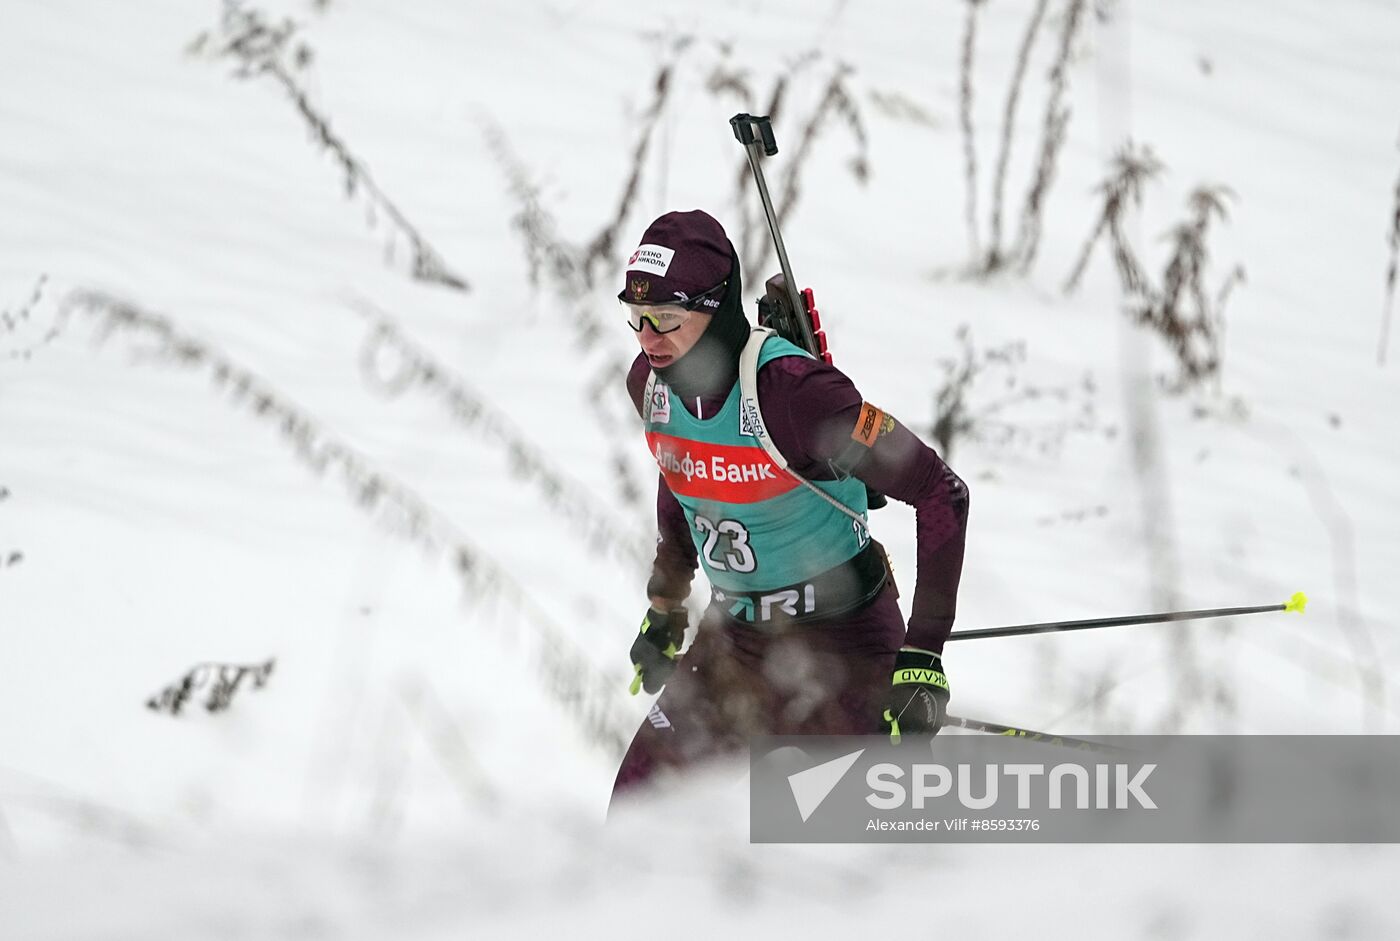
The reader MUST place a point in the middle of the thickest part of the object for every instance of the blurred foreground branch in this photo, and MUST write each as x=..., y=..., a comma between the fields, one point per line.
x=262, y=48
x=414, y=366
x=590, y=697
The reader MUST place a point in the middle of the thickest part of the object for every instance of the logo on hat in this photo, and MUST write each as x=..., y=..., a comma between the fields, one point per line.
x=655, y=259
x=640, y=289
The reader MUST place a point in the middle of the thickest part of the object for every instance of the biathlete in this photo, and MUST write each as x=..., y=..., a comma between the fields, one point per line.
x=802, y=634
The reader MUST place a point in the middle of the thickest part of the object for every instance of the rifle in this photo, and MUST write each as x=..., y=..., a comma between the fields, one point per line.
x=792, y=313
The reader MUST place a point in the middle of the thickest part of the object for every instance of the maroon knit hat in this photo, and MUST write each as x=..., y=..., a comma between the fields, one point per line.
x=682, y=255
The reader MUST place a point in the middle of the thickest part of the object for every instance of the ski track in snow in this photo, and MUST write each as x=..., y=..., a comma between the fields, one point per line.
x=409, y=771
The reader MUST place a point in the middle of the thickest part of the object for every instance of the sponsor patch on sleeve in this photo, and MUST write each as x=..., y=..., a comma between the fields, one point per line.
x=870, y=425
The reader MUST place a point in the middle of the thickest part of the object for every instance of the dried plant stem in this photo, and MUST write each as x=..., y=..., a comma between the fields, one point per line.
x=12, y=321
x=1192, y=333
x=1122, y=189
x=603, y=248
x=548, y=254
x=1235, y=278
x=995, y=259
x=755, y=243
x=956, y=418
x=1057, y=115
x=835, y=100
x=753, y=228
x=951, y=419
x=965, y=121
x=1390, y=277
x=263, y=49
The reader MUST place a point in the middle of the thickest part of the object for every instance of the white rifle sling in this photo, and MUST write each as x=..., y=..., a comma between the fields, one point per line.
x=751, y=412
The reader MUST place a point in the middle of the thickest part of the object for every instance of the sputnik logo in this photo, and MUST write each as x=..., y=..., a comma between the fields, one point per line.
x=811, y=787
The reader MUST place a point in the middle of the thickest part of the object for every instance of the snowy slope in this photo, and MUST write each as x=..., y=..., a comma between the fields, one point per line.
x=415, y=764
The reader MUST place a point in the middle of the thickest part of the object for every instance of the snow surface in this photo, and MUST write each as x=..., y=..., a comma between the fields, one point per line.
x=408, y=771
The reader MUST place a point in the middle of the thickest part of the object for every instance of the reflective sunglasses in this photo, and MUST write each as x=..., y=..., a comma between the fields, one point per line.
x=671, y=316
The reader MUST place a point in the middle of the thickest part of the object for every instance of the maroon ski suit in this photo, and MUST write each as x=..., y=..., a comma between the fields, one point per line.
x=820, y=677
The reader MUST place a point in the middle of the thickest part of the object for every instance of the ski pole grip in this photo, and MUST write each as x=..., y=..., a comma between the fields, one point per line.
x=744, y=125
x=770, y=143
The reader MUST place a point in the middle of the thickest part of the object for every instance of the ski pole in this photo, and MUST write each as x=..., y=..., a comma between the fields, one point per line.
x=1297, y=603
x=744, y=126
x=995, y=728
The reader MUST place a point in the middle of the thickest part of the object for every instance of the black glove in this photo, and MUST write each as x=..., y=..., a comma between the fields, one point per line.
x=918, y=698
x=654, y=651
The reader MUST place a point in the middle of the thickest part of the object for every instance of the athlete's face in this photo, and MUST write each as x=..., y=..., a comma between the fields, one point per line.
x=663, y=349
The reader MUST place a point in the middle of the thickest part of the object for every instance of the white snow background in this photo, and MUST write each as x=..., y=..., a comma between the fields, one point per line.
x=189, y=290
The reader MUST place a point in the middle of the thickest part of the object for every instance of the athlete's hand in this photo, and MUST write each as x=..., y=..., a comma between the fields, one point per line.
x=918, y=698
x=654, y=651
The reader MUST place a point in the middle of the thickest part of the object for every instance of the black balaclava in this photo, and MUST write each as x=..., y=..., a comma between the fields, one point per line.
x=711, y=366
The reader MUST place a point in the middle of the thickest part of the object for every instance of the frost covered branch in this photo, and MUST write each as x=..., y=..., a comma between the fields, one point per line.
x=589, y=695
x=261, y=48
x=414, y=366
